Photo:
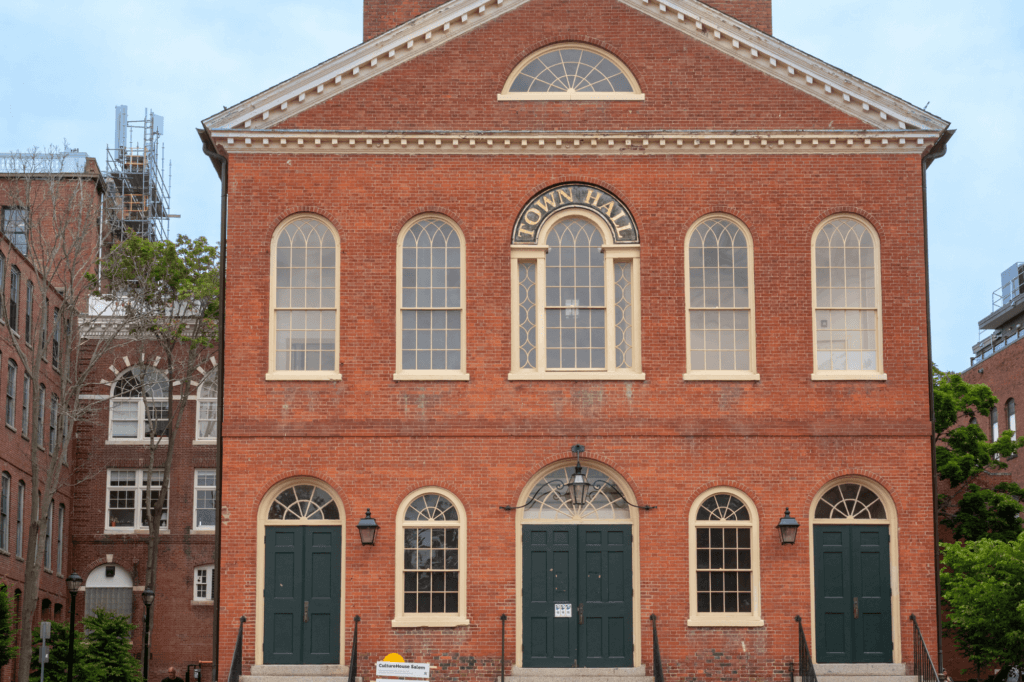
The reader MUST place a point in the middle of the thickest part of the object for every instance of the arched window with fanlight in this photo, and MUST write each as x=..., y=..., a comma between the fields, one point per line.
x=430, y=585
x=206, y=408
x=139, y=406
x=571, y=71
x=724, y=560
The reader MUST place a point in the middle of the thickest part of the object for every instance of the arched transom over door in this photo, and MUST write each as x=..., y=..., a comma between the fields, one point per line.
x=299, y=614
x=854, y=564
x=577, y=571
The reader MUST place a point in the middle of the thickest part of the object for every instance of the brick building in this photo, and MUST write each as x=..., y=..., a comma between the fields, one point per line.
x=727, y=237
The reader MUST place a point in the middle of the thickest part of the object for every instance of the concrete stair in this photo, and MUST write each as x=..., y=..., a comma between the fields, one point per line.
x=578, y=675
x=298, y=673
x=862, y=672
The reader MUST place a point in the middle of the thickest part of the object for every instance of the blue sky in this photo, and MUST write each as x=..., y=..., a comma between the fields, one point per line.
x=65, y=66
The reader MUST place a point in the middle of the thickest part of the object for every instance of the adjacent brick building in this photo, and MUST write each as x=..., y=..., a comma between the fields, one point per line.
x=727, y=239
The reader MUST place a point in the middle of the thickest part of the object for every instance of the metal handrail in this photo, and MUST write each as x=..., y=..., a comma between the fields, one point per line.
x=355, y=647
x=236, y=659
x=503, y=619
x=806, y=663
x=924, y=669
x=659, y=673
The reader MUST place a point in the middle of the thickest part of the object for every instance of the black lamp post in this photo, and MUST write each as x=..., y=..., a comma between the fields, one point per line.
x=74, y=584
x=578, y=483
x=787, y=528
x=148, y=595
x=367, y=528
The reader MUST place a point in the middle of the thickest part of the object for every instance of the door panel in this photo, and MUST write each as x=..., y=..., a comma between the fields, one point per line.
x=606, y=571
x=550, y=578
x=282, y=610
x=323, y=592
x=872, y=629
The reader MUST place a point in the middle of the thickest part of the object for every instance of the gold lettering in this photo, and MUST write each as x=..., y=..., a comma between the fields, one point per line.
x=607, y=208
x=621, y=214
x=628, y=227
x=527, y=216
x=524, y=231
x=596, y=196
x=546, y=203
x=565, y=195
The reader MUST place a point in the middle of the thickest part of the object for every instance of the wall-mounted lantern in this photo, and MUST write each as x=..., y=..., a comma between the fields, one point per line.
x=787, y=528
x=367, y=528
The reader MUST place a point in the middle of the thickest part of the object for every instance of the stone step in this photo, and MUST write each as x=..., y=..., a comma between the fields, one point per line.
x=860, y=678
x=577, y=675
x=298, y=673
x=860, y=669
x=299, y=678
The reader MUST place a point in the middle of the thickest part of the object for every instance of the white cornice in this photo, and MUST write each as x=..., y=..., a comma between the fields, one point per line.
x=626, y=143
x=761, y=51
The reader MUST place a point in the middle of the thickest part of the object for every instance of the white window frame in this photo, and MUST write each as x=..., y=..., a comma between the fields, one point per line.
x=206, y=573
x=209, y=381
x=718, y=619
x=429, y=620
x=847, y=375
x=5, y=512
x=139, y=490
x=506, y=95
x=140, y=414
x=48, y=544
x=11, y=406
x=20, y=519
x=60, y=539
x=432, y=374
x=196, y=488
x=303, y=375
x=994, y=419
x=612, y=253
x=722, y=375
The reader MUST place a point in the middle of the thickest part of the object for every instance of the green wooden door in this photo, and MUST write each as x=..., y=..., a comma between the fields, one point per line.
x=302, y=595
x=853, y=595
x=577, y=596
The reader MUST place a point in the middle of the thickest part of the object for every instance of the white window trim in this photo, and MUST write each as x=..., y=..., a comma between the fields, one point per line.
x=429, y=620
x=195, y=500
x=199, y=400
x=60, y=539
x=137, y=528
x=722, y=375
x=741, y=620
x=318, y=375
x=429, y=375
x=5, y=480
x=613, y=252
x=140, y=423
x=636, y=96
x=209, y=568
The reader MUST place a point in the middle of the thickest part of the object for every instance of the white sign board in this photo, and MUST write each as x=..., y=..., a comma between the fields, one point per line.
x=563, y=610
x=388, y=670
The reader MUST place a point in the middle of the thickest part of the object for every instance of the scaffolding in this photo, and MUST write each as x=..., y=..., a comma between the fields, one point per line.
x=138, y=197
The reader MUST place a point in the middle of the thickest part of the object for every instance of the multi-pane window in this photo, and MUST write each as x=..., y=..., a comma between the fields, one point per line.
x=41, y=415
x=29, y=295
x=139, y=408
x=720, y=300
x=26, y=388
x=1011, y=416
x=15, y=228
x=571, y=71
x=206, y=408
x=5, y=511
x=53, y=423
x=60, y=540
x=127, y=505
x=48, y=545
x=3, y=275
x=432, y=583
x=305, y=280
x=20, y=530
x=15, y=293
x=587, y=325
x=56, y=339
x=725, y=555
x=43, y=331
x=203, y=583
x=994, y=417
x=846, y=300
x=431, y=299
x=205, y=499
x=12, y=387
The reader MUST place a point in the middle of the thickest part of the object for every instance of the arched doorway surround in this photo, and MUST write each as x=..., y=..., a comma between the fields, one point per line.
x=295, y=514
x=864, y=502
x=604, y=509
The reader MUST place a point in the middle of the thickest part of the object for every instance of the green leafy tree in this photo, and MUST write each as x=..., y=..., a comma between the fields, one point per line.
x=7, y=627
x=983, y=583
x=57, y=664
x=106, y=655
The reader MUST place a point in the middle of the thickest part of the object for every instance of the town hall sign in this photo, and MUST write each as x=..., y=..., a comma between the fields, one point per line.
x=587, y=197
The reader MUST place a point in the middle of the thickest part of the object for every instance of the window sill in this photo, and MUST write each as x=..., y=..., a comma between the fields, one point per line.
x=13, y=430
x=848, y=376
x=574, y=97
x=201, y=531
x=721, y=376
x=429, y=622
x=576, y=376
x=430, y=376
x=205, y=441
x=202, y=602
x=132, y=531
x=5, y=552
x=303, y=376
x=724, y=621
x=135, y=441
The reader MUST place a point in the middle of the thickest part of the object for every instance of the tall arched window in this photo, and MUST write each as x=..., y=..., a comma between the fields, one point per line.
x=304, y=300
x=571, y=71
x=847, y=300
x=724, y=560
x=720, y=301
x=576, y=303
x=139, y=407
x=431, y=294
x=430, y=584
x=994, y=418
x=206, y=408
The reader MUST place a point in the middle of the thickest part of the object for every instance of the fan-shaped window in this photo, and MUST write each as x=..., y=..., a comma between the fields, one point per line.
x=724, y=560
x=431, y=554
x=571, y=71
x=847, y=319
x=431, y=296
x=304, y=301
x=139, y=407
x=550, y=499
x=849, y=501
x=304, y=503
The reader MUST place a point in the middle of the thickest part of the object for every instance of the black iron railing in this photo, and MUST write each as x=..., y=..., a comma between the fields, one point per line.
x=659, y=673
x=805, y=663
x=503, y=619
x=236, y=659
x=355, y=649
x=924, y=669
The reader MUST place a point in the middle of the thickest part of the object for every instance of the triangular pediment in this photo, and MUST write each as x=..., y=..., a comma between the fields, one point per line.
x=875, y=108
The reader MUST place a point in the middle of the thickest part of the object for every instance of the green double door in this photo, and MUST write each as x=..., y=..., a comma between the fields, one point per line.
x=302, y=595
x=577, y=596
x=852, y=594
